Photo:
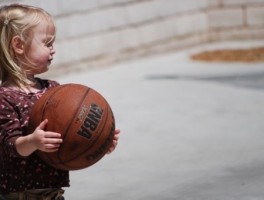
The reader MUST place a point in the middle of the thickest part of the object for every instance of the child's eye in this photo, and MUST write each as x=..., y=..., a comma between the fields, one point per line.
x=50, y=44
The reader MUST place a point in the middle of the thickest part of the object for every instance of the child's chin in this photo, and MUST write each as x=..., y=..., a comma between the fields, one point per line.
x=42, y=70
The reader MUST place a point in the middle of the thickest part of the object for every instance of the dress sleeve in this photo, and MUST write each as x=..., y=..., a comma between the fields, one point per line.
x=10, y=127
x=53, y=83
x=45, y=83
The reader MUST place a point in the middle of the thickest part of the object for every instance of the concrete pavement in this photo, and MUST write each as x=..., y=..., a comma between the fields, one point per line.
x=190, y=130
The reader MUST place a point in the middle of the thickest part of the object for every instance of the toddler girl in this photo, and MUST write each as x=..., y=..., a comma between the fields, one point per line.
x=26, y=49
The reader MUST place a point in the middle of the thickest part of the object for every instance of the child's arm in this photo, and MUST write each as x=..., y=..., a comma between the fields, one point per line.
x=39, y=140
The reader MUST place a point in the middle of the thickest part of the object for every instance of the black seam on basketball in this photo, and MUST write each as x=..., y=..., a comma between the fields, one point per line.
x=68, y=127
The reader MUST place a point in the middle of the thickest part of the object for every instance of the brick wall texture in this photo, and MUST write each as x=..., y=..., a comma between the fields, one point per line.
x=99, y=32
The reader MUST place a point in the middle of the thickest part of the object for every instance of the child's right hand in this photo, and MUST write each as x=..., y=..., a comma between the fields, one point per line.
x=46, y=140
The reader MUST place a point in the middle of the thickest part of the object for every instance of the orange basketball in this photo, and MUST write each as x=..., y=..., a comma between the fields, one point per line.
x=84, y=119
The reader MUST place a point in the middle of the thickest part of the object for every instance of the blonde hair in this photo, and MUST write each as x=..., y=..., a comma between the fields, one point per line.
x=17, y=20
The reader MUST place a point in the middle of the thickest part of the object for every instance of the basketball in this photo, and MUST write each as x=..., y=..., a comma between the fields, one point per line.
x=83, y=118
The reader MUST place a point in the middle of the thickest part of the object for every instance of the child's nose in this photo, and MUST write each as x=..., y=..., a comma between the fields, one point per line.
x=52, y=50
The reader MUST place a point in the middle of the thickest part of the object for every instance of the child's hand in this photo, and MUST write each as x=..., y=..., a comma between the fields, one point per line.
x=46, y=140
x=115, y=141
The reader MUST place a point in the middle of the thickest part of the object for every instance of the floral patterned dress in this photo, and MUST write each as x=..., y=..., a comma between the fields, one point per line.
x=18, y=173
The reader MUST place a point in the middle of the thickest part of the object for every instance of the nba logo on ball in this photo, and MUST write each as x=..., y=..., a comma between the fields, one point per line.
x=91, y=121
x=85, y=121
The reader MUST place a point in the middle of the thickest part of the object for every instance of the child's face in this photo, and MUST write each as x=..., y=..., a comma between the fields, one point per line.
x=41, y=50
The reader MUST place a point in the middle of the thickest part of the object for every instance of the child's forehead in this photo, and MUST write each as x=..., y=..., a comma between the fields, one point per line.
x=45, y=28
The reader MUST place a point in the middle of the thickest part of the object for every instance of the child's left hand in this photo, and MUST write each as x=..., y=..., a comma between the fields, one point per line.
x=115, y=141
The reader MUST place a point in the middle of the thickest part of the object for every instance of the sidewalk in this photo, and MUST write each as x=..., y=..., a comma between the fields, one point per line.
x=190, y=130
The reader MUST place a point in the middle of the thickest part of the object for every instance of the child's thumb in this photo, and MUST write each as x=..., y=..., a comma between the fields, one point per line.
x=43, y=124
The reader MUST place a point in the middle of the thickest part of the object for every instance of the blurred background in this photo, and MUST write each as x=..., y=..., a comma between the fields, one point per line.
x=191, y=117
x=98, y=32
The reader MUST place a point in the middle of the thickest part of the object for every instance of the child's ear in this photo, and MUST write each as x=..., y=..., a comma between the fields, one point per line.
x=17, y=44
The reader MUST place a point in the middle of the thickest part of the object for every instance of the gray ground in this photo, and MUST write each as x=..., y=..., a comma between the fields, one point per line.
x=190, y=130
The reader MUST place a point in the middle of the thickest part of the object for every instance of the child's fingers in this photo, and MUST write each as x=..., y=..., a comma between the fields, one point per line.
x=116, y=131
x=50, y=134
x=53, y=141
x=51, y=148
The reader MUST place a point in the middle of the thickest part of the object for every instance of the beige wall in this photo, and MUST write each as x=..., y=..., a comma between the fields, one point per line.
x=98, y=32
